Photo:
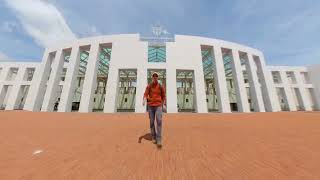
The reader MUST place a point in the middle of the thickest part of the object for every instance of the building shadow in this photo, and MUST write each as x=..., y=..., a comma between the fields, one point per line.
x=147, y=137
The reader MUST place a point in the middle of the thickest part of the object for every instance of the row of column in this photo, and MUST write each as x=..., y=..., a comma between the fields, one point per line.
x=40, y=84
x=222, y=92
x=56, y=65
x=258, y=90
x=289, y=96
x=15, y=93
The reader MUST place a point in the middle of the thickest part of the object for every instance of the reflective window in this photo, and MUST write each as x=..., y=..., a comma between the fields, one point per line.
x=156, y=54
x=12, y=74
x=276, y=77
x=291, y=78
x=208, y=65
x=30, y=72
x=305, y=78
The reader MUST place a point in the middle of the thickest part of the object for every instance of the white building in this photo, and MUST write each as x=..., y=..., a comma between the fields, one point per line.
x=110, y=73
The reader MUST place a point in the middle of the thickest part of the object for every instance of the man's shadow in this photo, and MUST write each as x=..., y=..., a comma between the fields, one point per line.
x=147, y=137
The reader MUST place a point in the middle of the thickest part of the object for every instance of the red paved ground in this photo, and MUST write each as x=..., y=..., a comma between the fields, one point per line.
x=196, y=146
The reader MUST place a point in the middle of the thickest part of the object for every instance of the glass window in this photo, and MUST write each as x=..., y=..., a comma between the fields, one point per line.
x=305, y=77
x=30, y=73
x=291, y=77
x=157, y=54
x=12, y=74
x=276, y=77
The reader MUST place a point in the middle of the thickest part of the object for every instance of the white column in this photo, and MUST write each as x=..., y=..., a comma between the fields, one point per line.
x=200, y=92
x=287, y=91
x=90, y=80
x=3, y=92
x=315, y=96
x=111, y=89
x=53, y=84
x=314, y=74
x=255, y=89
x=303, y=92
x=268, y=89
x=70, y=80
x=220, y=80
x=142, y=83
x=171, y=90
x=242, y=98
x=35, y=94
x=14, y=94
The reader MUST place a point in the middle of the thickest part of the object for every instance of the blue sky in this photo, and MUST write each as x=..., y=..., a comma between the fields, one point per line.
x=287, y=31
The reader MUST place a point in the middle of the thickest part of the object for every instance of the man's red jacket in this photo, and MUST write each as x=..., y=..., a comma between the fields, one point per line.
x=154, y=95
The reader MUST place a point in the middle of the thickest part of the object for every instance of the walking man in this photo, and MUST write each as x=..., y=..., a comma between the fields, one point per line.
x=155, y=96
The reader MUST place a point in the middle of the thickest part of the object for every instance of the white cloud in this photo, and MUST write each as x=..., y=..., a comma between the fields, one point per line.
x=42, y=21
x=4, y=57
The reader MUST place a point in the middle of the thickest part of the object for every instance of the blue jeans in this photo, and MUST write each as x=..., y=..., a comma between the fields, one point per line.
x=155, y=112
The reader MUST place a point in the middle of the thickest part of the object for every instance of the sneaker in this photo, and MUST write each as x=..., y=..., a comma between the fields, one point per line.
x=154, y=141
x=159, y=145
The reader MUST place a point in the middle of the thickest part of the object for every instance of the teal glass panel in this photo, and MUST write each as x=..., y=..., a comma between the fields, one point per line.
x=157, y=54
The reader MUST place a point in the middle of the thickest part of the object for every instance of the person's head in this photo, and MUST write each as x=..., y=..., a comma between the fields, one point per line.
x=155, y=77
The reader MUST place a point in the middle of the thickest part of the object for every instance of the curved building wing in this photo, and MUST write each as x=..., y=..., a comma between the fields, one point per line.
x=110, y=73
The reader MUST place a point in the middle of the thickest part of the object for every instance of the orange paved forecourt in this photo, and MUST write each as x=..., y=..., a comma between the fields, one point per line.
x=284, y=145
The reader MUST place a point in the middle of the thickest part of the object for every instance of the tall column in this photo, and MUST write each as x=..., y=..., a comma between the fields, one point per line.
x=142, y=83
x=53, y=84
x=70, y=80
x=13, y=97
x=90, y=80
x=303, y=92
x=287, y=91
x=315, y=97
x=172, y=90
x=35, y=95
x=255, y=89
x=242, y=98
x=3, y=91
x=314, y=73
x=220, y=79
x=111, y=89
x=14, y=94
x=200, y=91
x=268, y=89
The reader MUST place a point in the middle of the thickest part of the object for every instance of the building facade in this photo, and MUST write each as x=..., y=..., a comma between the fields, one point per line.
x=110, y=73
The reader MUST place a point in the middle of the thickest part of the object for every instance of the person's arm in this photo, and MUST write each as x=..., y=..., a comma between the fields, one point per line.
x=145, y=95
x=163, y=96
